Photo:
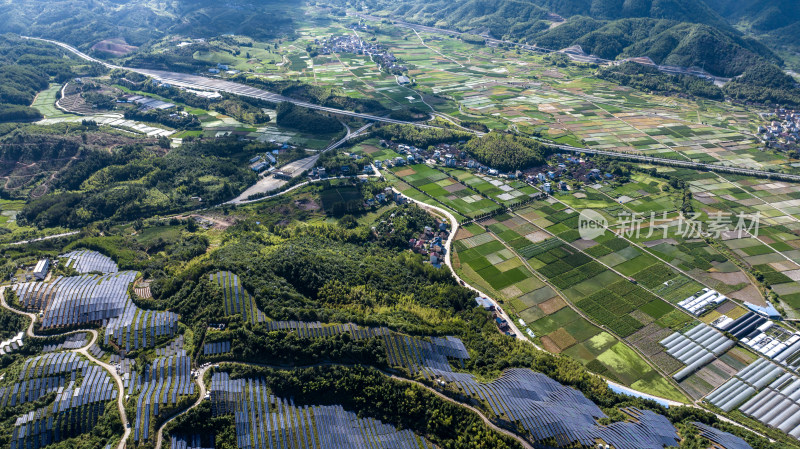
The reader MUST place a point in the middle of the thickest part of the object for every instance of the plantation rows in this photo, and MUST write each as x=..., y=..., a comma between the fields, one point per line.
x=611, y=310
x=533, y=250
x=265, y=421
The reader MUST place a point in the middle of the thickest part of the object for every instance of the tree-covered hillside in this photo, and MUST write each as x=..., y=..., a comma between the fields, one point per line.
x=138, y=21
x=673, y=32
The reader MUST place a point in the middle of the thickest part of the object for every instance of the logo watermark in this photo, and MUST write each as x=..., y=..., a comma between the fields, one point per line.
x=591, y=224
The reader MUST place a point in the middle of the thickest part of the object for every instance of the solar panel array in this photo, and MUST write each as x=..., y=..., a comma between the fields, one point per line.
x=236, y=299
x=195, y=441
x=136, y=328
x=73, y=341
x=778, y=405
x=162, y=383
x=219, y=347
x=77, y=300
x=418, y=355
x=96, y=351
x=86, y=261
x=744, y=384
x=266, y=421
x=79, y=402
x=557, y=415
x=696, y=348
x=412, y=353
x=722, y=440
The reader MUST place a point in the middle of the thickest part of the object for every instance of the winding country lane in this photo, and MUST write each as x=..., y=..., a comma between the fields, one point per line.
x=85, y=352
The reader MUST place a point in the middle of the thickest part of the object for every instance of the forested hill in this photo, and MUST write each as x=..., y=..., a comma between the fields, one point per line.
x=85, y=23
x=672, y=32
x=668, y=42
x=759, y=15
x=490, y=13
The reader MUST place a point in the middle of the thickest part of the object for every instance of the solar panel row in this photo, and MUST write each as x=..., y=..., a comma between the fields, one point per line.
x=78, y=405
x=558, y=415
x=73, y=341
x=215, y=348
x=86, y=261
x=162, y=383
x=195, y=441
x=236, y=299
x=70, y=301
x=266, y=421
x=722, y=439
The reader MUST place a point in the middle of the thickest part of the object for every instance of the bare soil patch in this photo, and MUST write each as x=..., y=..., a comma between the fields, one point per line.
x=562, y=339
x=749, y=294
x=406, y=172
x=452, y=188
x=550, y=346
x=734, y=278
x=116, y=47
x=552, y=305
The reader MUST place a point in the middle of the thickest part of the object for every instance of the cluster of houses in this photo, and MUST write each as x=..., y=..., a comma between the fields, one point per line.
x=269, y=160
x=431, y=243
x=783, y=132
x=357, y=46
x=384, y=197
x=220, y=68
x=501, y=322
x=550, y=177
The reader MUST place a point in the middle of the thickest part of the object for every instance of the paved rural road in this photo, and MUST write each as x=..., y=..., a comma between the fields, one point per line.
x=202, y=389
x=220, y=85
x=206, y=83
x=439, y=394
x=85, y=352
x=269, y=183
x=23, y=242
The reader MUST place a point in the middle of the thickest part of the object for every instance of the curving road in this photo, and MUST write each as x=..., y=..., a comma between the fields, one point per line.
x=220, y=85
x=85, y=352
x=201, y=384
x=202, y=389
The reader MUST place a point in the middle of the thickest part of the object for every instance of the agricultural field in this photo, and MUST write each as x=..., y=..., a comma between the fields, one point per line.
x=504, y=89
x=447, y=190
x=45, y=102
x=496, y=261
x=772, y=249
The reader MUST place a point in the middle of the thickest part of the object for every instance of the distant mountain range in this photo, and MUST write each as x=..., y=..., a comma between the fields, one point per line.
x=85, y=22
x=711, y=34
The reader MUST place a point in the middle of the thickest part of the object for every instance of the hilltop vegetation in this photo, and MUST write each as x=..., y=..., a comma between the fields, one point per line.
x=506, y=152
x=139, y=21
x=672, y=32
x=26, y=68
x=132, y=182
